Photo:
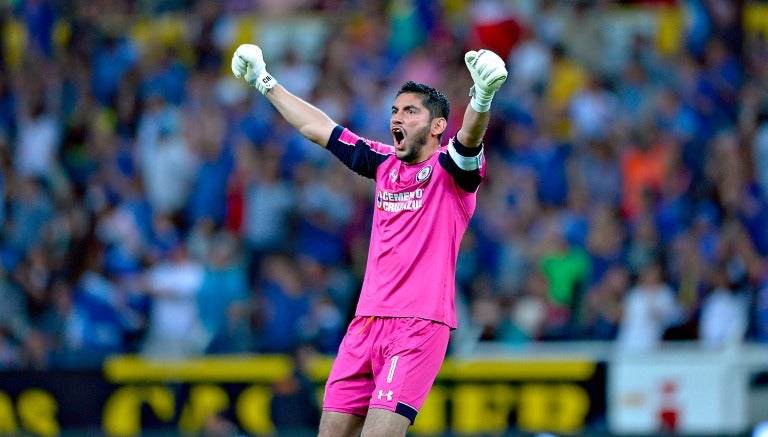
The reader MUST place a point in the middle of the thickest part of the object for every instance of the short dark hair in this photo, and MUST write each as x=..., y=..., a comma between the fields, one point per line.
x=433, y=100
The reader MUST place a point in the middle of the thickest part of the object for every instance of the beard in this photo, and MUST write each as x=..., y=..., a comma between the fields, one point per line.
x=415, y=144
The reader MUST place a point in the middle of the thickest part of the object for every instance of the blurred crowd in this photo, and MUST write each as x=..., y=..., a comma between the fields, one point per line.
x=153, y=204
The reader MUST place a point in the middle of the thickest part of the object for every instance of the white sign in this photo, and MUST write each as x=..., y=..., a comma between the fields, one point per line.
x=687, y=392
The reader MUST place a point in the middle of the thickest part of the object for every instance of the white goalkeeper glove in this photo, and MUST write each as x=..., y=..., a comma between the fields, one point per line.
x=489, y=73
x=248, y=62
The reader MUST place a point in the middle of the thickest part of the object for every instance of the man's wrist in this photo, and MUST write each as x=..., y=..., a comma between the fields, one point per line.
x=264, y=82
x=481, y=98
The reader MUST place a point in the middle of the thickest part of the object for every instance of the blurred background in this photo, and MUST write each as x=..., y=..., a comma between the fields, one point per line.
x=179, y=255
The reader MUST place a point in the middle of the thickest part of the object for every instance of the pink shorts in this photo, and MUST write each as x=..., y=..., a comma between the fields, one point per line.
x=386, y=362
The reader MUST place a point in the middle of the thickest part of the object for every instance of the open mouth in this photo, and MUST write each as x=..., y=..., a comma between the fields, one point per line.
x=398, y=135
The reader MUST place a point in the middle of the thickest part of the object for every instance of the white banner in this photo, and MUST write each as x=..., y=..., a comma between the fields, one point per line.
x=685, y=391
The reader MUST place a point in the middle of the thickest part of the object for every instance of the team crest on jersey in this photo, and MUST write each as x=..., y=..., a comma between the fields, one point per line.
x=424, y=173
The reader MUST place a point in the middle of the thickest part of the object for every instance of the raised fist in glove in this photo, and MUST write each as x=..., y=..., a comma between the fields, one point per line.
x=489, y=73
x=248, y=62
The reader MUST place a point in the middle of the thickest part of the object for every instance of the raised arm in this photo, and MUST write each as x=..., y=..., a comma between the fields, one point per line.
x=310, y=121
x=489, y=73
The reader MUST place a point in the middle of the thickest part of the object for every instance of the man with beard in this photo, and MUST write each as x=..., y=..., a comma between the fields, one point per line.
x=425, y=197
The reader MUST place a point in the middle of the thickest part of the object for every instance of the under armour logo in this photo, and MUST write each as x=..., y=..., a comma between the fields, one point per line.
x=388, y=394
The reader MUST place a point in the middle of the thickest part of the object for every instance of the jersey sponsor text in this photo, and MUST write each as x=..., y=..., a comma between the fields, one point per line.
x=396, y=202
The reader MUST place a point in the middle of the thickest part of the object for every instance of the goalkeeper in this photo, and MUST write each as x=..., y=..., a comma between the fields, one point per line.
x=425, y=197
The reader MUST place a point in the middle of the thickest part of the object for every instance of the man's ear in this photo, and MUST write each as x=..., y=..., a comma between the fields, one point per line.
x=439, y=125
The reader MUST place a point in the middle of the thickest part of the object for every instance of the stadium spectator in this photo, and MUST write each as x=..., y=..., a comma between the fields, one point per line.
x=174, y=328
x=18, y=338
x=568, y=270
x=604, y=304
x=650, y=308
x=724, y=316
x=284, y=304
x=224, y=297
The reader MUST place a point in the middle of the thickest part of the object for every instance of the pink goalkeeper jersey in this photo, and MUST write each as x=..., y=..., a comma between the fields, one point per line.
x=420, y=217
